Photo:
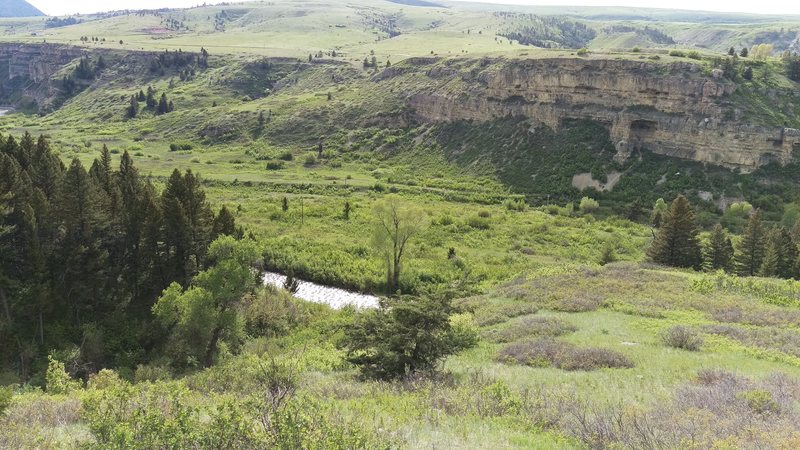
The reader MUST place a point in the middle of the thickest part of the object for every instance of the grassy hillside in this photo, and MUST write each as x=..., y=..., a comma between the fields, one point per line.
x=583, y=343
x=397, y=30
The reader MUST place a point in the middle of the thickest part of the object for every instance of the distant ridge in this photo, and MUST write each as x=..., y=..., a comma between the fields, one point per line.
x=421, y=3
x=18, y=8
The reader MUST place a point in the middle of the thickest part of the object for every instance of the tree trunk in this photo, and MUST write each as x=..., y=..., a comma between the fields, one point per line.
x=212, y=347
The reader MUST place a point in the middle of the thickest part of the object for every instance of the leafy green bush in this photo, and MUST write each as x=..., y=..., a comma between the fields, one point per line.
x=588, y=205
x=286, y=156
x=677, y=53
x=405, y=336
x=275, y=165
x=694, y=55
x=57, y=379
x=310, y=160
x=5, y=399
x=760, y=401
x=479, y=223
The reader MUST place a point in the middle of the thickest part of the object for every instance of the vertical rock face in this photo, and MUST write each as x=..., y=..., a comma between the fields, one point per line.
x=668, y=109
x=29, y=68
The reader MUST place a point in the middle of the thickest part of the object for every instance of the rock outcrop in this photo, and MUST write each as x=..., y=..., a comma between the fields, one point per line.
x=26, y=70
x=670, y=109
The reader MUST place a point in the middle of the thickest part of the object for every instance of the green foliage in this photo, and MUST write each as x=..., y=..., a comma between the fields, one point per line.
x=588, y=205
x=406, y=336
x=760, y=401
x=57, y=380
x=750, y=253
x=719, y=252
x=676, y=243
x=6, y=395
x=205, y=314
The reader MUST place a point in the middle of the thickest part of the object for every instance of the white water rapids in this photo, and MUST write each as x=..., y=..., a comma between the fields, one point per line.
x=334, y=297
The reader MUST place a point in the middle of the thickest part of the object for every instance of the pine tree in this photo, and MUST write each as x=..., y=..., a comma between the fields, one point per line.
x=285, y=204
x=82, y=263
x=720, y=250
x=163, y=105
x=731, y=51
x=676, y=243
x=224, y=224
x=780, y=254
x=751, y=250
x=151, y=98
x=133, y=108
x=346, y=212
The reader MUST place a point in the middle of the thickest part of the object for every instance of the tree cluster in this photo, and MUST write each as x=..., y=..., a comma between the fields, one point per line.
x=161, y=106
x=86, y=252
x=773, y=252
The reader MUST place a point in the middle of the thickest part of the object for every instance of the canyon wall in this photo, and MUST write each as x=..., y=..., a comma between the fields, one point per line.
x=671, y=109
x=26, y=71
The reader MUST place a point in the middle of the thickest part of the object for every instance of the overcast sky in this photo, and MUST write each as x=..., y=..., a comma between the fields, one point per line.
x=62, y=7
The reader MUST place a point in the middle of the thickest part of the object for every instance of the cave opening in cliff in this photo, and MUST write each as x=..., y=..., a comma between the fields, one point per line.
x=641, y=130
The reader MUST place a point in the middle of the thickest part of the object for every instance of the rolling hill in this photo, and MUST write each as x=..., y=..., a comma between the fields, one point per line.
x=18, y=8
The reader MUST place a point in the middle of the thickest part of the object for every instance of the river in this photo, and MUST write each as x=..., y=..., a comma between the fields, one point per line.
x=5, y=110
x=334, y=297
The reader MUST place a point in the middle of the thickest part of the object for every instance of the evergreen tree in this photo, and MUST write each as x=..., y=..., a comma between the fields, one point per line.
x=676, y=243
x=81, y=263
x=285, y=204
x=751, y=250
x=224, y=224
x=720, y=250
x=141, y=97
x=163, y=105
x=133, y=108
x=780, y=254
x=151, y=98
x=731, y=51
x=744, y=52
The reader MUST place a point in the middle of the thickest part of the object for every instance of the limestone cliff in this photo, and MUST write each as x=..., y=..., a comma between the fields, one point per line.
x=26, y=71
x=671, y=109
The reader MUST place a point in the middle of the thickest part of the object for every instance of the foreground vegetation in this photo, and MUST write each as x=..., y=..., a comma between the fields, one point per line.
x=517, y=310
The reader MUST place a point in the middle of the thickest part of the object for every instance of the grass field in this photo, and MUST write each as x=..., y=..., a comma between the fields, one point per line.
x=574, y=323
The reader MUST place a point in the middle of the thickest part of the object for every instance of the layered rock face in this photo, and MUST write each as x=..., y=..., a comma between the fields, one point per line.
x=668, y=109
x=30, y=67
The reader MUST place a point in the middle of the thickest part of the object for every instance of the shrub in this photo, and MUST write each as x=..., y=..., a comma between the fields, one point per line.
x=57, y=379
x=548, y=352
x=479, y=223
x=275, y=165
x=760, y=401
x=677, y=53
x=694, y=55
x=593, y=358
x=5, y=399
x=515, y=204
x=151, y=373
x=583, y=52
x=310, y=160
x=682, y=337
x=286, y=156
x=105, y=379
x=588, y=205
x=531, y=327
x=580, y=302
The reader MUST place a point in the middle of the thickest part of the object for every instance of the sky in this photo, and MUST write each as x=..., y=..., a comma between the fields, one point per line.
x=63, y=7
